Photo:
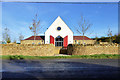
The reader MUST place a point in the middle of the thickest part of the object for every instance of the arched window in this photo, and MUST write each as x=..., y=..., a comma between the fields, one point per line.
x=58, y=41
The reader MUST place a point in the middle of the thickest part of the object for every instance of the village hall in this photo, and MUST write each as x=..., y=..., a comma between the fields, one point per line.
x=58, y=34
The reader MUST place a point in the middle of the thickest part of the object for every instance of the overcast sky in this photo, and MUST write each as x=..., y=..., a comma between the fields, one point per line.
x=18, y=17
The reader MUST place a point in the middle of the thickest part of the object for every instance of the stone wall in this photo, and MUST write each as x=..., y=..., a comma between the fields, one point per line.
x=92, y=49
x=57, y=50
x=104, y=43
x=51, y=50
x=85, y=41
x=28, y=49
x=32, y=41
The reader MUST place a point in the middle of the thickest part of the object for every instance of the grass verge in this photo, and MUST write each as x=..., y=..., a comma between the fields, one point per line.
x=96, y=56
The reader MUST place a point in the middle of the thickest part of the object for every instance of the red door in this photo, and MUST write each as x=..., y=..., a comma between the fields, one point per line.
x=51, y=39
x=65, y=43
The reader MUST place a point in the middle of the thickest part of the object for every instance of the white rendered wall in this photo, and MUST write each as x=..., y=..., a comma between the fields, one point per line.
x=52, y=30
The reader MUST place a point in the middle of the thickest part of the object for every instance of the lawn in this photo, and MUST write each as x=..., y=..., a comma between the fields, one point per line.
x=96, y=56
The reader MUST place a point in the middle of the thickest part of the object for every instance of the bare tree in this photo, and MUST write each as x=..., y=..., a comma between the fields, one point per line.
x=35, y=27
x=6, y=35
x=83, y=26
x=96, y=39
x=14, y=40
x=110, y=35
x=21, y=37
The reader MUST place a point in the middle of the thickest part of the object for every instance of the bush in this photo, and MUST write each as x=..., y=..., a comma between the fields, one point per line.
x=16, y=57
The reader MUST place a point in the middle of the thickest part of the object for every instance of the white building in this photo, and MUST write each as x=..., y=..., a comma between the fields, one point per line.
x=58, y=34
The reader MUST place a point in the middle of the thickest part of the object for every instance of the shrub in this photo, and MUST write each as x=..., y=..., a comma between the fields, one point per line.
x=16, y=57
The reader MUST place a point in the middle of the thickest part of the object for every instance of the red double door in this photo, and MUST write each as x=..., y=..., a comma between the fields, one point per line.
x=65, y=41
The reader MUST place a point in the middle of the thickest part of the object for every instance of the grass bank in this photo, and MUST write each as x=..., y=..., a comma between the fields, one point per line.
x=96, y=56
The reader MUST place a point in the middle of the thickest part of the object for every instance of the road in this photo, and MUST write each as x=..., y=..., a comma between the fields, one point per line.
x=61, y=68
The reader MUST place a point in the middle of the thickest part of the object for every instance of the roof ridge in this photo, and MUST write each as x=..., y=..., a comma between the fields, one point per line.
x=37, y=38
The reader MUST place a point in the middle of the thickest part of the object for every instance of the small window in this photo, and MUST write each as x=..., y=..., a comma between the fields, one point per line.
x=75, y=41
x=38, y=43
x=42, y=41
x=58, y=28
x=33, y=43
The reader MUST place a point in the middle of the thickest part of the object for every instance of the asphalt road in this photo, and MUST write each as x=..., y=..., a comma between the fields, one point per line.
x=61, y=69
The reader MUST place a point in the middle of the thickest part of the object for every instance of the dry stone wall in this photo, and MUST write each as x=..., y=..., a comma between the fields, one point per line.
x=85, y=41
x=92, y=49
x=32, y=41
x=28, y=49
x=51, y=50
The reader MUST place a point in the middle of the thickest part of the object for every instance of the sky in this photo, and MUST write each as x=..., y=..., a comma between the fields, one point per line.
x=18, y=16
x=60, y=0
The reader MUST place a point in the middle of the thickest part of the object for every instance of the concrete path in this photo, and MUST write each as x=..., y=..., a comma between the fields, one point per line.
x=61, y=55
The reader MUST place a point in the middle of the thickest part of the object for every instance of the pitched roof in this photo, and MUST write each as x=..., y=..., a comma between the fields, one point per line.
x=80, y=38
x=43, y=38
x=37, y=38
x=58, y=19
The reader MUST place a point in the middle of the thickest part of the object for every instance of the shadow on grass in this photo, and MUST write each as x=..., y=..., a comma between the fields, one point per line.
x=61, y=69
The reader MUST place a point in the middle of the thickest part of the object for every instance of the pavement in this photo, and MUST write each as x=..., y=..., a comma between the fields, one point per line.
x=61, y=69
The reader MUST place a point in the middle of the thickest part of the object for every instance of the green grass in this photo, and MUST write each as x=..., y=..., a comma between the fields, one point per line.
x=96, y=56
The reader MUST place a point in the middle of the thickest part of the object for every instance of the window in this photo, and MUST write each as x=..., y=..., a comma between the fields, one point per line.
x=59, y=41
x=42, y=42
x=58, y=28
x=33, y=43
x=38, y=43
x=75, y=41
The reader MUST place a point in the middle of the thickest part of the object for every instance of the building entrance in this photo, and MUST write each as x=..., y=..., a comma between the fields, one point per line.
x=58, y=41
